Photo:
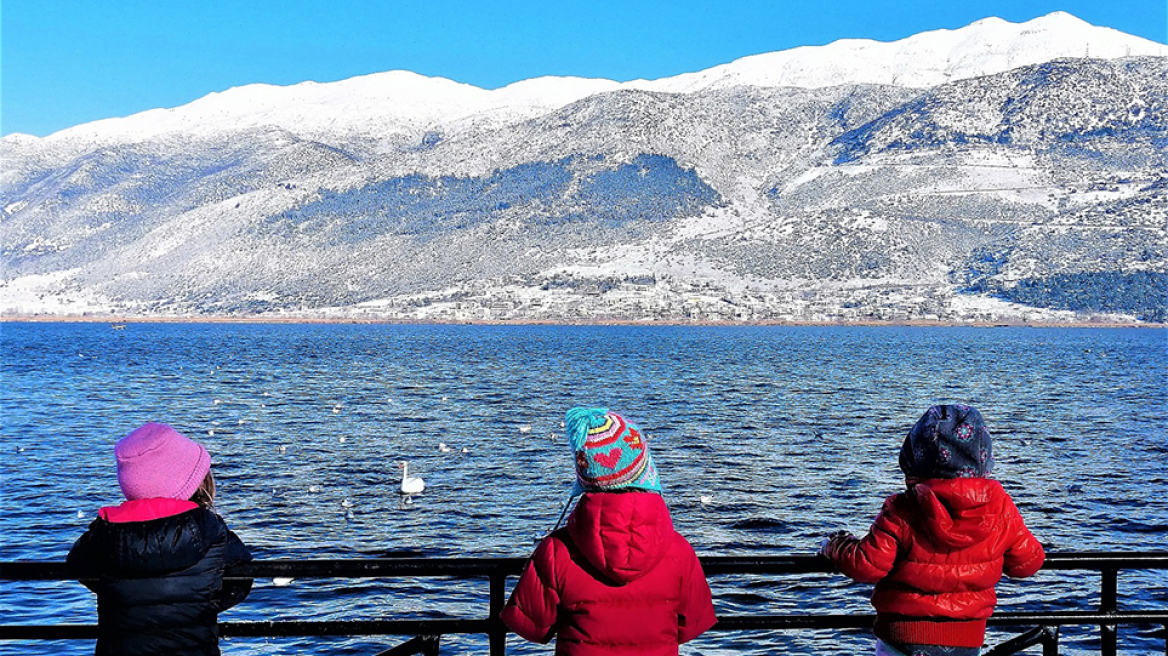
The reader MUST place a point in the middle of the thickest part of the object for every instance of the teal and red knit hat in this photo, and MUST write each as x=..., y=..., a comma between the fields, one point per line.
x=611, y=453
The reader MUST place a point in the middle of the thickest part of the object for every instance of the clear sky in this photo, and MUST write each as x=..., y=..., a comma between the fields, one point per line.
x=67, y=62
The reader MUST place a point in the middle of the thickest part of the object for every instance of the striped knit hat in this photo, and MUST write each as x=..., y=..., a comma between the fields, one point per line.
x=611, y=453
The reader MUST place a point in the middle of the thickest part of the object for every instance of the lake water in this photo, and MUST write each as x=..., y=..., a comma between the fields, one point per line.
x=794, y=432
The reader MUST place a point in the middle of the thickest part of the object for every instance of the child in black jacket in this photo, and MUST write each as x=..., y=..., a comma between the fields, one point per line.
x=156, y=561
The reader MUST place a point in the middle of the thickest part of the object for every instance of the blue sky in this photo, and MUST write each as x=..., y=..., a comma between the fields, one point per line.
x=66, y=62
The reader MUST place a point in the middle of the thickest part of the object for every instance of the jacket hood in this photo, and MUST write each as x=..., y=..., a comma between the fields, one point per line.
x=957, y=512
x=155, y=546
x=623, y=535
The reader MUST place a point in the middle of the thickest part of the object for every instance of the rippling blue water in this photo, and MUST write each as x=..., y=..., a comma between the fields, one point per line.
x=793, y=431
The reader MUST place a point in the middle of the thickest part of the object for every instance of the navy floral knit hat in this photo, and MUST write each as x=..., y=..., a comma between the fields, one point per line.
x=948, y=441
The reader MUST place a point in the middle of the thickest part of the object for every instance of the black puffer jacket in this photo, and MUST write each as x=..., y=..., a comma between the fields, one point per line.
x=159, y=582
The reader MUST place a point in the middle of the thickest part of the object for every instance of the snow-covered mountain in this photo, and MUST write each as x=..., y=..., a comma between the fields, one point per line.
x=928, y=59
x=402, y=101
x=996, y=172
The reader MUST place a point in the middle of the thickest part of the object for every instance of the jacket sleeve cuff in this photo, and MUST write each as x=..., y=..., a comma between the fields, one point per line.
x=523, y=626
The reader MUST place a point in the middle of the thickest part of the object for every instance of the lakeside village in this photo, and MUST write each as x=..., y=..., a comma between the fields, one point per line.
x=664, y=299
x=569, y=298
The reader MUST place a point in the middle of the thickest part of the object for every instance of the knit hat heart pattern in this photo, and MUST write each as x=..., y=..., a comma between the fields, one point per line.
x=948, y=441
x=156, y=461
x=611, y=453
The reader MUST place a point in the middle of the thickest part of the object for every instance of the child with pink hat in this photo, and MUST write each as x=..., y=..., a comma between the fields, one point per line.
x=157, y=560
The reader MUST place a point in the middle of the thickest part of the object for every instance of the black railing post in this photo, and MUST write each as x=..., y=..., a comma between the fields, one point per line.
x=1109, y=603
x=498, y=631
x=1050, y=643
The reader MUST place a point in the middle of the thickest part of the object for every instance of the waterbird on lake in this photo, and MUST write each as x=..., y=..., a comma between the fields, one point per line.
x=282, y=581
x=347, y=504
x=706, y=499
x=525, y=428
x=442, y=448
x=314, y=488
x=410, y=484
x=464, y=450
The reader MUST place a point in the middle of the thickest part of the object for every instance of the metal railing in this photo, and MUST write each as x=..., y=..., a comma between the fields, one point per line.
x=1107, y=616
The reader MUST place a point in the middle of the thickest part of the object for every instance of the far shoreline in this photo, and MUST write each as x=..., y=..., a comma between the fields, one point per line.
x=117, y=320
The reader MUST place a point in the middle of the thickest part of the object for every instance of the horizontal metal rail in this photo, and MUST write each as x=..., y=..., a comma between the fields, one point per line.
x=1107, y=616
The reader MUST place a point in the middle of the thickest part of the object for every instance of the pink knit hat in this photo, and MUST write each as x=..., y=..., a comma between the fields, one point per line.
x=157, y=461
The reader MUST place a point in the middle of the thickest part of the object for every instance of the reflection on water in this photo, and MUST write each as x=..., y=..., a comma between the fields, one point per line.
x=789, y=433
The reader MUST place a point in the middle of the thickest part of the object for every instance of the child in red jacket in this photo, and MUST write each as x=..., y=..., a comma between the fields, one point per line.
x=617, y=579
x=937, y=550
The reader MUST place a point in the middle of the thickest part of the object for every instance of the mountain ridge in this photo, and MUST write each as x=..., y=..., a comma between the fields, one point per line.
x=1025, y=194
x=988, y=46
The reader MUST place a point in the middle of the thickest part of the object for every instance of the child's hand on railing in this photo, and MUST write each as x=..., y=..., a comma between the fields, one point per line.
x=834, y=537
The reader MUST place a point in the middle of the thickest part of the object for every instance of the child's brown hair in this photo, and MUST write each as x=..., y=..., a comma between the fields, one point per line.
x=205, y=494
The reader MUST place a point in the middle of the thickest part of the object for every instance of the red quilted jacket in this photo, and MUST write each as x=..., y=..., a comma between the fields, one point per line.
x=935, y=553
x=617, y=579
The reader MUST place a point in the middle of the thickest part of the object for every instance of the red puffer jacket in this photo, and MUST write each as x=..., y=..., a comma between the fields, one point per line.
x=616, y=580
x=936, y=552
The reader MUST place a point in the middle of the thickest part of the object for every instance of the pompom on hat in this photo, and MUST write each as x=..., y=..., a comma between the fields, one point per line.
x=948, y=441
x=157, y=461
x=611, y=453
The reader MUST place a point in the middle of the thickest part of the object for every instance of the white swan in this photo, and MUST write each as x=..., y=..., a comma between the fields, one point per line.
x=443, y=448
x=410, y=484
